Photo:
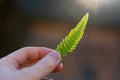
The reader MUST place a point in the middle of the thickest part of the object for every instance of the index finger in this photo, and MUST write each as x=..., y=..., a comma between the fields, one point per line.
x=28, y=53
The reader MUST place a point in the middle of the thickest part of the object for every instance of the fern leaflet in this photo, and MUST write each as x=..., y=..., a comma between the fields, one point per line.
x=70, y=42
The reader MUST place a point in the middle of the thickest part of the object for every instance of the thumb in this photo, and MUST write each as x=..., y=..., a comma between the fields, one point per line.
x=45, y=66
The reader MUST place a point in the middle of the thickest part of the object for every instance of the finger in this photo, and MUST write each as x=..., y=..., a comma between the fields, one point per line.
x=28, y=53
x=43, y=67
x=58, y=68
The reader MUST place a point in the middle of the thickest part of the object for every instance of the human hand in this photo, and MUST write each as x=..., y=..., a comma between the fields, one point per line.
x=30, y=63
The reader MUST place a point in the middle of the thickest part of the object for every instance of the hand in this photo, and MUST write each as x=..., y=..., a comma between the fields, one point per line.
x=30, y=63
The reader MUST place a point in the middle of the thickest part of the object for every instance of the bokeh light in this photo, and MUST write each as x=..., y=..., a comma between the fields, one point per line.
x=94, y=4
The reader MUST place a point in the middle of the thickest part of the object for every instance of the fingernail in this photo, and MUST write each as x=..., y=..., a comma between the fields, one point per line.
x=55, y=55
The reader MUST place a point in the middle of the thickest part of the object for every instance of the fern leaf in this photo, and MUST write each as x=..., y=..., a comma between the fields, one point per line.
x=70, y=42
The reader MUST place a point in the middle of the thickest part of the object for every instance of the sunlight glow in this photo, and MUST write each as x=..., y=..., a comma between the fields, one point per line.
x=94, y=4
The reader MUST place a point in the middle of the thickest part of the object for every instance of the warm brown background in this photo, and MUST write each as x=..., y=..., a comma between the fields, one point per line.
x=97, y=56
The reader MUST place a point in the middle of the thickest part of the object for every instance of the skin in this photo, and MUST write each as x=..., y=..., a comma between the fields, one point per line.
x=30, y=63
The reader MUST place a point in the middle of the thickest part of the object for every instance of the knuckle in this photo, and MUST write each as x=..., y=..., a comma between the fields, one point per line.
x=26, y=48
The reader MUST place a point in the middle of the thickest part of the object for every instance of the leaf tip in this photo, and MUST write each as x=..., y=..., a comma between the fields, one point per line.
x=87, y=14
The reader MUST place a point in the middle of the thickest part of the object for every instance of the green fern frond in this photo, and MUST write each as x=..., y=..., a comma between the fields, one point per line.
x=70, y=42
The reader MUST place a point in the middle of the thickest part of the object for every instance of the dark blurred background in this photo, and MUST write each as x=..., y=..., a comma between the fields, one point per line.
x=46, y=22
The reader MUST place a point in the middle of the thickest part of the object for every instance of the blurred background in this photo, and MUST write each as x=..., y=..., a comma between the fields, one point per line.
x=46, y=22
